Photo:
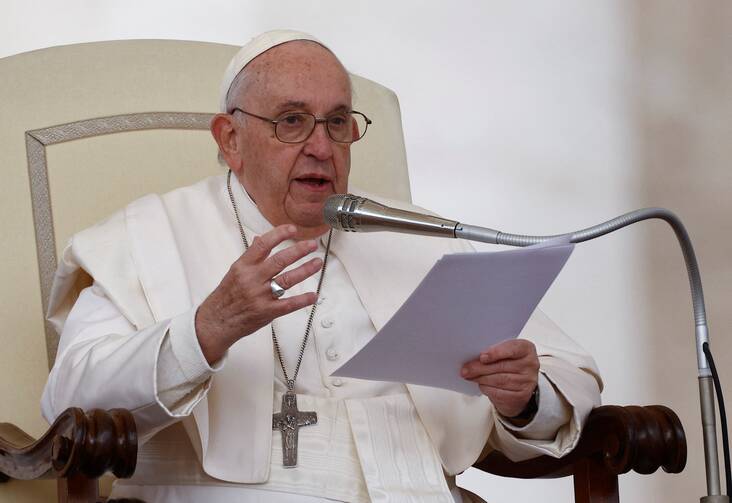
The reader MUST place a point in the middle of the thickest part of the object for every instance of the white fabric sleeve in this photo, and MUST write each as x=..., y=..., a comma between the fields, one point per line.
x=182, y=369
x=553, y=413
x=104, y=362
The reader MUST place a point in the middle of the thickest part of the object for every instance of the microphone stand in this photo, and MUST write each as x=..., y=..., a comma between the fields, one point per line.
x=706, y=384
x=351, y=213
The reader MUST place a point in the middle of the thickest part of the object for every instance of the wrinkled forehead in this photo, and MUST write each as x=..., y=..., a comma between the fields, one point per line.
x=301, y=72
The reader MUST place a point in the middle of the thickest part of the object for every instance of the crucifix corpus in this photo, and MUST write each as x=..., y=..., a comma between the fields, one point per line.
x=288, y=421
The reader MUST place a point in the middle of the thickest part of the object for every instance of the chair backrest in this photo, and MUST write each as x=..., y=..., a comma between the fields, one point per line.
x=86, y=128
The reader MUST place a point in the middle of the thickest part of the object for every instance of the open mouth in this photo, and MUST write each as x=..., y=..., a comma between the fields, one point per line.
x=314, y=182
x=317, y=182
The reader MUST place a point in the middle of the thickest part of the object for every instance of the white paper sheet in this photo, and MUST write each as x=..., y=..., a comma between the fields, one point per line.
x=466, y=303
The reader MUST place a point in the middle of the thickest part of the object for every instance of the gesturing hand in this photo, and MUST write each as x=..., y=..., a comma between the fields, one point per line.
x=242, y=303
x=507, y=373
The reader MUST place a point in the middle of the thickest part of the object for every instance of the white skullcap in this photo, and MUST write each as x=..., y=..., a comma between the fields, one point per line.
x=254, y=48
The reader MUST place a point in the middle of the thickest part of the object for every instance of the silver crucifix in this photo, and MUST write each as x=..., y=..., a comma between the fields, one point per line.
x=288, y=421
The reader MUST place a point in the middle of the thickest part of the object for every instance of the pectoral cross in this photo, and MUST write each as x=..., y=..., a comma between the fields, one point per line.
x=288, y=421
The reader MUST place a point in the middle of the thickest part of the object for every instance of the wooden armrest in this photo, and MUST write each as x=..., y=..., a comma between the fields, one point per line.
x=77, y=444
x=623, y=438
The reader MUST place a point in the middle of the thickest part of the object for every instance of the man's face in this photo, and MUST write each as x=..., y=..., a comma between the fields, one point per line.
x=290, y=182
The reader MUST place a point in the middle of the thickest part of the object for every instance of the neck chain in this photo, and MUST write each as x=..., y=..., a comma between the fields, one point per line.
x=289, y=420
x=309, y=326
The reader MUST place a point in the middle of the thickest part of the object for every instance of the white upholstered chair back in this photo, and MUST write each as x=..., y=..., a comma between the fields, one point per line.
x=86, y=128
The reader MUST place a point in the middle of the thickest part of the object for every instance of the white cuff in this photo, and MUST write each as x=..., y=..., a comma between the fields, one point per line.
x=553, y=413
x=187, y=350
x=182, y=373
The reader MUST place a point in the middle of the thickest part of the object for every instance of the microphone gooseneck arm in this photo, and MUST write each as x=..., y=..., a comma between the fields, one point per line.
x=706, y=383
x=358, y=214
x=485, y=235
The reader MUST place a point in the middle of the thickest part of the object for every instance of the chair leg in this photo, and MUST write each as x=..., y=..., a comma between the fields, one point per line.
x=78, y=489
x=593, y=483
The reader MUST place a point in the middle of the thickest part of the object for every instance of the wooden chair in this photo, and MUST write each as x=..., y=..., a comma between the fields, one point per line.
x=615, y=440
x=79, y=448
x=76, y=450
x=87, y=128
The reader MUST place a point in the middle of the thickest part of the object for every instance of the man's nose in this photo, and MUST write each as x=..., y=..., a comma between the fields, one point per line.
x=319, y=144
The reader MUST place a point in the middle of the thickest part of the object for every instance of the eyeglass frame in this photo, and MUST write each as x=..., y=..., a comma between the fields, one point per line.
x=318, y=120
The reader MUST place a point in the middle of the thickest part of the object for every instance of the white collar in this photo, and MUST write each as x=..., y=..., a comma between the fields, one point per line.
x=248, y=210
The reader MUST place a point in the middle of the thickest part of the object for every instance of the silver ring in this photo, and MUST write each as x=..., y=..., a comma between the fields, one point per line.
x=277, y=290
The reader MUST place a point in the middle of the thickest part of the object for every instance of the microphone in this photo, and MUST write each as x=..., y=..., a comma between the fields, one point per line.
x=346, y=212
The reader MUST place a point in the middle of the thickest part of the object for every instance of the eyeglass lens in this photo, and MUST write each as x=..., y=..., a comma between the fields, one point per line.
x=344, y=127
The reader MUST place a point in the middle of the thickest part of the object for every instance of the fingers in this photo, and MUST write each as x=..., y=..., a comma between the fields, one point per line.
x=514, y=349
x=503, y=395
x=263, y=245
x=517, y=356
x=273, y=264
x=507, y=373
x=282, y=307
x=279, y=261
x=243, y=303
x=291, y=278
x=507, y=382
x=475, y=368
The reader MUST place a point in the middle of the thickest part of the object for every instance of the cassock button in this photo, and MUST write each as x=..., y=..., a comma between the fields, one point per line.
x=337, y=382
x=326, y=322
x=331, y=354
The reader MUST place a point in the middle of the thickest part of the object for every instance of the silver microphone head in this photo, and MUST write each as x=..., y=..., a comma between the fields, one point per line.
x=338, y=211
x=346, y=212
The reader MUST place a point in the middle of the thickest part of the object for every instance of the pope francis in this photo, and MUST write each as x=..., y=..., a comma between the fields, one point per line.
x=218, y=312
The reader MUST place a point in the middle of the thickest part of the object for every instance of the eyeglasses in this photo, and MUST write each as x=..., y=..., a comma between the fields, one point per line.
x=296, y=127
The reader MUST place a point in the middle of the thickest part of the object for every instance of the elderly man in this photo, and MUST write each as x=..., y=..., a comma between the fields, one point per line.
x=229, y=382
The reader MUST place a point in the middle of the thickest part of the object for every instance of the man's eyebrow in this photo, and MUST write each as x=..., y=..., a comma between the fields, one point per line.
x=340, y=108
x=301, y=105
x=290, y=105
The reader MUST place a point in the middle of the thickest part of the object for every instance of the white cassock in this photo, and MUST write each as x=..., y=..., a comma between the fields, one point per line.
x=129, y=341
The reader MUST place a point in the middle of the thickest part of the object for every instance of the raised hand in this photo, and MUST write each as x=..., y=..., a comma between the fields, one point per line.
x=242, y=303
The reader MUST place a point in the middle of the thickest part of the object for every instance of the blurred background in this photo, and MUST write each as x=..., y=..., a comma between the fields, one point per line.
x=538, y=117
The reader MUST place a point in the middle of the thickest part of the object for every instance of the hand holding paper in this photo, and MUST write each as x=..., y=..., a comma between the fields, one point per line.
x=507, y=373
x=466, y=304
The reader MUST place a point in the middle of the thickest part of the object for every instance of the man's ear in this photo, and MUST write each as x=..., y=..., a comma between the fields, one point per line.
x=354, y=130
x=224, y=132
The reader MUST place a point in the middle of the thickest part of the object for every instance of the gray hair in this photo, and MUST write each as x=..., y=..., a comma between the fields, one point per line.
x=233, y=91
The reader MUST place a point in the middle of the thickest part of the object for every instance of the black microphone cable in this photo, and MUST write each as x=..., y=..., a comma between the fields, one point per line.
x=722, y=415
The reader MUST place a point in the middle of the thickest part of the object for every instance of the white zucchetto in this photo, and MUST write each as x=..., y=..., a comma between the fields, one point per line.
x=256, y=46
